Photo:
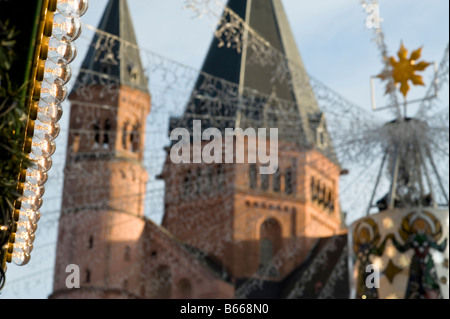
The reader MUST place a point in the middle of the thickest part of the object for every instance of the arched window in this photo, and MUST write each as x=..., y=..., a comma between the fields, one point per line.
x=277, y=181
x=289, y=181
x=322, y=195
x=313, y=189
x=133, y=71
x=162, y=283
x=96, y=129
x=106, y=133
x=91, y=242
x=125, y=136
x=185, y=289
x=328, y=198
x=264, y=182
x=317, y=190
x=266, y=252
x=270, y=243
x=331, y=202
x=106, y=68
x=252, y=176
x=135, y=139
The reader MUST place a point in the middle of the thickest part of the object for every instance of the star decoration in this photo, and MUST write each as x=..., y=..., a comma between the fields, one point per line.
x=391, y=271
x=404, y=70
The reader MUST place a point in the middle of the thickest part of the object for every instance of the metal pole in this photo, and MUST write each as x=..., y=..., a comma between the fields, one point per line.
x=427, y=176
x=391, y=197
x=376, y=184
x=436, y=172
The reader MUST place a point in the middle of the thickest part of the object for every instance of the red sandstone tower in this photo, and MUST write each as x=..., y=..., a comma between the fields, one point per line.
x=254, y=224
x=102, y=219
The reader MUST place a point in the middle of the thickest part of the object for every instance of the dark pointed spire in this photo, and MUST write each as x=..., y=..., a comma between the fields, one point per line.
x=118, y=59
x=304, y=124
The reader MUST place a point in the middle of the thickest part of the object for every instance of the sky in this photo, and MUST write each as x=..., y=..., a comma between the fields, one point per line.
x=336, y=48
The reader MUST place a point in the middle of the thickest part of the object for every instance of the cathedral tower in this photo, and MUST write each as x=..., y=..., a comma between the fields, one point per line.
x=255, y=224
x=102, y=220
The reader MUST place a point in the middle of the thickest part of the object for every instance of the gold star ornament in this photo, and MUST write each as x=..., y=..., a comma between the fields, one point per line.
x=405, y=69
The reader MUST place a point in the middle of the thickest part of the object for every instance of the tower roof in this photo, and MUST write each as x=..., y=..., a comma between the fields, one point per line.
x=117, y=59
x=291, y=100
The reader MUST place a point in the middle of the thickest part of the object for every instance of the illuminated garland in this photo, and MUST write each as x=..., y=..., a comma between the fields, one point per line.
x=59, y=26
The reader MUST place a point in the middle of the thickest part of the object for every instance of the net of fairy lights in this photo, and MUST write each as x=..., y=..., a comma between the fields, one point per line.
x=61, y=27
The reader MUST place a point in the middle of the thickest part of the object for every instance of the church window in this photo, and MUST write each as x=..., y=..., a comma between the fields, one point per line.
x=253, y=176
x=106, y=133
x=322, y=195
x=106, y=69
x=133, y=71
x=135, y=138
x=289, y=181
x=270, y=241
x=264, y=182
x=96, y=129
x=331, y=202
x=313, y=189
x=277, y=181
x=125, y=136
x=317, y=190
x=322, y=141
x=266, y=252
x=91, y=242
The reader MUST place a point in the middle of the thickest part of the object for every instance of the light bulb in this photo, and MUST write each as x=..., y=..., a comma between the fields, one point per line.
x=72, y=8
x=53, y=93
x=43, y=148
x=63, y=26
x=46, y=131
x=36, y=177
x=20, y=259
x=48, y=112
x=27, y=227
x=57, y=71
x=62, y=48
x=22, y=248
x=59, y=112
x=33, y=216
x=31, y=203
x=33, y=190
x=42, y=164
x=25, y=238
